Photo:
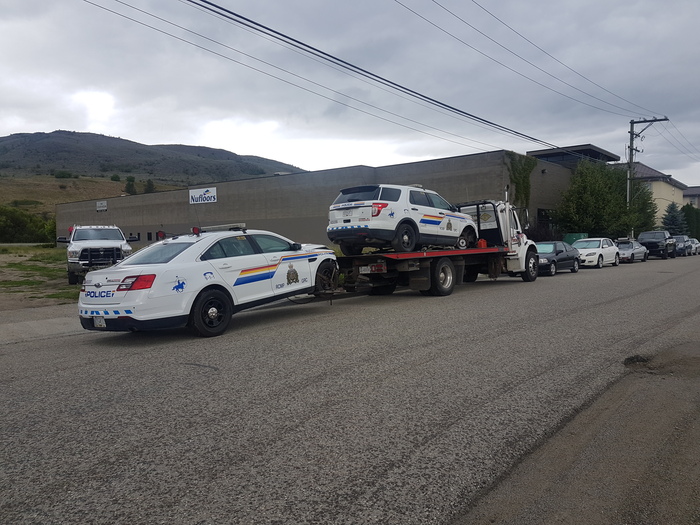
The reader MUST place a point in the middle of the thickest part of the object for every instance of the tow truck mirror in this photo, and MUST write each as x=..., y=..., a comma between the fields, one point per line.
x=296, y=246
x=62, y=239
x=132, y=238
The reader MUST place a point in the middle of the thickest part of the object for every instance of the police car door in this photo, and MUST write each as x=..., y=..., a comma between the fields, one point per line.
x=424, y=215
x=245, y=272
x=292, y=267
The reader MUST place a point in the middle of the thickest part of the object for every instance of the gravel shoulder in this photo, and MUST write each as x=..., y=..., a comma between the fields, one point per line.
x=631, y=457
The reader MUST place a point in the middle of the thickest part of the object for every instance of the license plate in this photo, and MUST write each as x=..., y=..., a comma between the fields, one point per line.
x=99, y=322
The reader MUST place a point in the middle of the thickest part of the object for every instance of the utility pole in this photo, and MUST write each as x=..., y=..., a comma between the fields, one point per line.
x=632, y=150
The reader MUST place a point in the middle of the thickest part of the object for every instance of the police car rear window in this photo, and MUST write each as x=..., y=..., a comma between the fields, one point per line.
x=357, y=194
x=157, y=254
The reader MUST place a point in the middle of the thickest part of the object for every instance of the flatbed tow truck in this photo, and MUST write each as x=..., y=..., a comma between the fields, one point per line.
x=502, y=248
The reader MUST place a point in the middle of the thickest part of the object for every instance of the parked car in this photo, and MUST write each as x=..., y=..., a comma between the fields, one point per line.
x=557, y=255
x=597, y=251
x=201, y=280
x=631, y=250
x=696, y=245
x=660, y=243
x=683, y=245
x=404, y=218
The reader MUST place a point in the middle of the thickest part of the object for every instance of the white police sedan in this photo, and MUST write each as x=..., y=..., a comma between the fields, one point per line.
x=201, y=279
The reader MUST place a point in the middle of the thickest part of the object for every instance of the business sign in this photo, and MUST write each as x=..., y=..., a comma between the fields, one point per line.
x=101, y=205
x=203, y=196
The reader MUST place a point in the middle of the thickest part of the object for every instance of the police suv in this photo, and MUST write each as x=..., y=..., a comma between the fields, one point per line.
x=201, y=279
x=404, y=218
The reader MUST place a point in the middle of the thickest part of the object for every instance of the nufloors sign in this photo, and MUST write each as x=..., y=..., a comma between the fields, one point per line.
x=203, y=196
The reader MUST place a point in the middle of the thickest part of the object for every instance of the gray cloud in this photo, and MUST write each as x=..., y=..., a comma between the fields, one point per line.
x=165, y=90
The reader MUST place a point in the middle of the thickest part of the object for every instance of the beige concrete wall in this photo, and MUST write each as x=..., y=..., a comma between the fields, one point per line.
x=296, y=205
x=665, y=194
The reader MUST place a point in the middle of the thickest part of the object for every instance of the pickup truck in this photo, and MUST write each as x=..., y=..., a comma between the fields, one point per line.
x=660, y=243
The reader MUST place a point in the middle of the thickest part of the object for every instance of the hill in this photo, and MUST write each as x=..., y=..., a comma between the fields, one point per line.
x=70, y=154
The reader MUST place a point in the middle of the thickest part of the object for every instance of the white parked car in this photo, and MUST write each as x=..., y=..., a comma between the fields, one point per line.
x=200, y=280
x=597, y=251
x=404, y=218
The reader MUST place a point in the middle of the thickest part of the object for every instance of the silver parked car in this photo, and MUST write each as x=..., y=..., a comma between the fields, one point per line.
x=695, y=246
x=631, y=250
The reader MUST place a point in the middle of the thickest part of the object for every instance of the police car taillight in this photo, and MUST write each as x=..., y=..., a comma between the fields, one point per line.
x=377, y=208
x=136, y=282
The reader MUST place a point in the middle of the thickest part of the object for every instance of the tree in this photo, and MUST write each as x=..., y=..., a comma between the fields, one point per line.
x=21, y=226
x=150, y=187
x=596, y=203
x=130, y=187
x=692, y=218
x=674, y=220
x=520, y=168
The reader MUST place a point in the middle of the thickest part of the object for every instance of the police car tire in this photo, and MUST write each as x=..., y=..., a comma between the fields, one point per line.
x=442, y=280
x=211, y=313
x=405, y=239
x=326, y=278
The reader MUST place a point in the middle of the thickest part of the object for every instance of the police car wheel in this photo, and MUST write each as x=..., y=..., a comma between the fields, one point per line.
x=326, y=278
x=211, y=313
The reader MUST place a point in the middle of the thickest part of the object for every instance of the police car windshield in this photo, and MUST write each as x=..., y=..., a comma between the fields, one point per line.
x=157, y=254
x=98, y=234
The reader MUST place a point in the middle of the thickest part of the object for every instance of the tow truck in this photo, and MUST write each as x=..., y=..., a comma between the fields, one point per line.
x=502, y=248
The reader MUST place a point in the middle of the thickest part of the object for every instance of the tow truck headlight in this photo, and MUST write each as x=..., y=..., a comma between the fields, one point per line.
x=73, y=254
x=126, y=251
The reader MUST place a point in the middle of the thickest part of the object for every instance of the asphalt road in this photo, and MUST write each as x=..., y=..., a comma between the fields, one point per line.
x=400, y=409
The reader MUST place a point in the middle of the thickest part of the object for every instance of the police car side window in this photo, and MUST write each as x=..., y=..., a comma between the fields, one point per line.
x=236, y=246
x=390, y=194
x=214, y=252
x=419, y=198
x=439, y=202
x=270, y=244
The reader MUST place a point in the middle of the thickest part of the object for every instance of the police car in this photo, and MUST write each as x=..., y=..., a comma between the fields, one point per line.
x=201, y=279
x=405, y=218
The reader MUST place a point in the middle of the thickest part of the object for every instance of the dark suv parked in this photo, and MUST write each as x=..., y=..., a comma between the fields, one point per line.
x=683, y=245
x=659, y=243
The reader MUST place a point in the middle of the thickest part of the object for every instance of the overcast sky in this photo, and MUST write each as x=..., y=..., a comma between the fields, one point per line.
x=567, y=72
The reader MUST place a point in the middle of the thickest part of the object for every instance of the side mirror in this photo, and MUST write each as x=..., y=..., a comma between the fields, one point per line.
x=133, y=238
x=296, y=246
x=62, y=239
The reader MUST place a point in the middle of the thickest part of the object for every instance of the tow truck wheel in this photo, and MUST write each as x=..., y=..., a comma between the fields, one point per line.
x=405, y=240
x=442, y=280
x=211, y=313
x=531, y=267
x=73, y=278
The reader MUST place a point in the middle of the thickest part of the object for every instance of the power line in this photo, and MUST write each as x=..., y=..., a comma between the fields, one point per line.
x=559, y=61
x=513, y=69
